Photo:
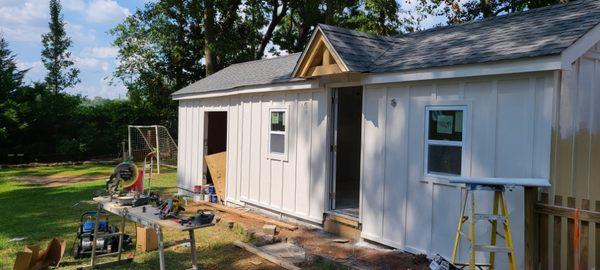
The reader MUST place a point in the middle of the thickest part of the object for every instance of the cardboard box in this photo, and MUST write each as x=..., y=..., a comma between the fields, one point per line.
x=147, y=240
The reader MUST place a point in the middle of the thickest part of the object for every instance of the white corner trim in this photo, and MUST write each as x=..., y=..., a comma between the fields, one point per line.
x=580, y=47
x=471, y=70
x=298, y=85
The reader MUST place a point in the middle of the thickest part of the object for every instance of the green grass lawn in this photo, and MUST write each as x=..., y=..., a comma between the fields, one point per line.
x=40, y=213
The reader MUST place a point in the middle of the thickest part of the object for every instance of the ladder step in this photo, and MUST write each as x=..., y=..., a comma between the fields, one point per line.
x=485, y=248
x=489, y=217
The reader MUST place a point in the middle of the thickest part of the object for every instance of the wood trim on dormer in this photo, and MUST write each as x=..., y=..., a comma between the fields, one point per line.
x=319, y=59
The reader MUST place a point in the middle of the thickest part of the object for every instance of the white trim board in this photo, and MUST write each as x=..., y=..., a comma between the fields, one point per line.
x=472, y=70
x=297, y=85
x=580, y=47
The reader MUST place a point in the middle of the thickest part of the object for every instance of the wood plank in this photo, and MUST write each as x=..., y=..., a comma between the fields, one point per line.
x=250, y=215
x=597, y=244
x=557, y=237
x=531, y=229
x=217, y=167
x=278, y=261
x=323, y=70
x=543, y=235
x=561, y=211
x=570, y=239
x=584, y=243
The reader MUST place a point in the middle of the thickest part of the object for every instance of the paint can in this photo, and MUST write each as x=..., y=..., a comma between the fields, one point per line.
x=211, y=189
x=213, y=198
x=197, y=188
x=198, y=197
x=206, y=197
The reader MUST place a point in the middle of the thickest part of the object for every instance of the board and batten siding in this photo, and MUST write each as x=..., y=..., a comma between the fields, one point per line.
x=295, y=186
x=575, y=170
x=508, y=134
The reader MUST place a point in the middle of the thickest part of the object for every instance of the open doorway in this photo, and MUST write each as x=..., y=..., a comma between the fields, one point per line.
x=215, y=149
x=347, y=111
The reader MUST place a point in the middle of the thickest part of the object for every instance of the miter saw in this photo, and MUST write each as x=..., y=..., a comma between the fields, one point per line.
x=126, y=184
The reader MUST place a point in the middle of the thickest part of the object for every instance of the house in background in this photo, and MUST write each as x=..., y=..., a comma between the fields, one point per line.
x=367, y=128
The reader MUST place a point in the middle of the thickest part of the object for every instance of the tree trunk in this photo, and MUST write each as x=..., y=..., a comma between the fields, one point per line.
x=209, y=36
x=329, y=11
x=276, y=18
x=486, y=8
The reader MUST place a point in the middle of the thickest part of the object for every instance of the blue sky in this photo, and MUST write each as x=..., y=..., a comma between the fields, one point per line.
x=87, y=23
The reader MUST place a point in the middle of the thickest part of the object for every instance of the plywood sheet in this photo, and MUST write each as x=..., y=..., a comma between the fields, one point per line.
x=217, y=166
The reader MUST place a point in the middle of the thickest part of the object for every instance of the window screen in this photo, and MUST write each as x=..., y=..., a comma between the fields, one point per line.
x=277, y=132
x=445, y=140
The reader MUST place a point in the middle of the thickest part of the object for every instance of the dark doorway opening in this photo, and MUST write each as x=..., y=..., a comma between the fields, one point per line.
x=215, y=137
x=347, y=146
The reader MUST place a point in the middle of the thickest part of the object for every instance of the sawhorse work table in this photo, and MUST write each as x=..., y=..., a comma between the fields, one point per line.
x=149, y=219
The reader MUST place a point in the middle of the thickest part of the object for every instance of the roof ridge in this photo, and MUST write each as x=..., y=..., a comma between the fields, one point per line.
x=264, y=59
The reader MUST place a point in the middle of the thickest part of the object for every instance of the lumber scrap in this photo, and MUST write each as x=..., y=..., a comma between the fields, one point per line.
x=278, y=261
x=251, y=215
x=216, y=164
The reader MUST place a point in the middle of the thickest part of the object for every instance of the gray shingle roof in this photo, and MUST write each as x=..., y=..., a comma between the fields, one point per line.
x=259, y=72
x=538, y=32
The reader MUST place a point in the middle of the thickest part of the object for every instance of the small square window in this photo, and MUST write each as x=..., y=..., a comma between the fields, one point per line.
x=277, y=132
x=444, y=142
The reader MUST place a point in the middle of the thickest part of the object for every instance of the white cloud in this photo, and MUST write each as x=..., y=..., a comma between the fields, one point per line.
x=74, y=5
x=35, y=71
x=102, y=88
x=80, y=34
x=91, y=64
x=25, y=21
x=106, y=11
x=101, y=52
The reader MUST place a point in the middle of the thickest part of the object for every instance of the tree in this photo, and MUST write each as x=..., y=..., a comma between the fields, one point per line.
x=373, y=16
x=457, y=11
x=209, y=36
x=55, y=55
x=11, y=79
x=277, y=14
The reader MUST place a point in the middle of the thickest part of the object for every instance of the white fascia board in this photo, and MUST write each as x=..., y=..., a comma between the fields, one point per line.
x=580, y=47
x=298, y=85
x=459, y=71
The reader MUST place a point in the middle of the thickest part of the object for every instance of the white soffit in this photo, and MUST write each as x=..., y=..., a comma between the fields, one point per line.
x=300, y=85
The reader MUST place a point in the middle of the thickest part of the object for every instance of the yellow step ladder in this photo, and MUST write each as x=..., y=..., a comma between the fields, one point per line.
x=498, y=215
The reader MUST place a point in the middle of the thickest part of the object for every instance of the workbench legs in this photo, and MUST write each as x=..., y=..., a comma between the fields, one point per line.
x=193, y=249
x=161, y=248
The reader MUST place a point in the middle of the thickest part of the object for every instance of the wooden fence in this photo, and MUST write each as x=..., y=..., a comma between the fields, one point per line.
x=562, y=220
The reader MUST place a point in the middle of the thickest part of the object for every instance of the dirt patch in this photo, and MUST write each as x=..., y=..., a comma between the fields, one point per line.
x=319, y=243
x=57, y=180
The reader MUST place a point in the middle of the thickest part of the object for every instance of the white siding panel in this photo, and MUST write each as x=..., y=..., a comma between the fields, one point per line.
x=246, y=143
x=319, y=158
x=255, y=148
x=232, y=150
x=303, y=154
x=289, y=167
x=508, y=135
x=373, y=162
x=396, y=166
x=295, y=186
x=265, y=168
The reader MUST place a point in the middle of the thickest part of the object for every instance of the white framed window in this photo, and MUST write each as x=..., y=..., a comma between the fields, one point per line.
x=445, y=136
x=278, y=146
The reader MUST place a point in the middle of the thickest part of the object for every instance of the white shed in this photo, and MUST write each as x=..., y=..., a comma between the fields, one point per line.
x=368, y=127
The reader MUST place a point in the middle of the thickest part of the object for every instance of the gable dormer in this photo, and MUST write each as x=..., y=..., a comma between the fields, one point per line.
x=319, y=58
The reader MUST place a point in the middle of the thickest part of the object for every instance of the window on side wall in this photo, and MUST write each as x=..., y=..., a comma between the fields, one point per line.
x=445, y=140
x=278, y=133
